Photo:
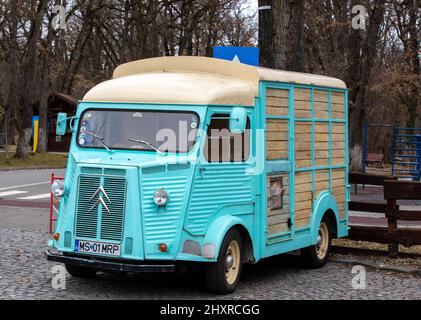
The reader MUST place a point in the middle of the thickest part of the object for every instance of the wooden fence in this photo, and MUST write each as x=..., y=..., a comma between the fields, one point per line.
x=393, y=191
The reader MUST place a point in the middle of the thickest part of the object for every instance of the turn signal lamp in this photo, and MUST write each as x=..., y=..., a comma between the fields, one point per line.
x=163, y=247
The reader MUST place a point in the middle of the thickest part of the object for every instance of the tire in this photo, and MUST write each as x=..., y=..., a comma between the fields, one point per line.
x=79, y=271
x=220, y=278
x=316, y=256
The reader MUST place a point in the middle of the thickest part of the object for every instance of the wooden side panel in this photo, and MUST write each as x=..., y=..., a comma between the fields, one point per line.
x=277, y=148
x=277, y=102
x=321, y=138
x=339, y=190
x=302, y=104
x=338, y=144
x=278, y=209
x=338, y=105
x=321, y=96
x=277, y=139
x=303, y=198
x=321, y=182
x=303, y=138
x=321, y=104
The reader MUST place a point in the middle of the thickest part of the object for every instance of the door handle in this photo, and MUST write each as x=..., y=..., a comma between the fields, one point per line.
x=202, y=171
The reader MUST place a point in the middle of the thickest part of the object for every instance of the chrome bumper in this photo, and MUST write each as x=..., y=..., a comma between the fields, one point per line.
x=102, y=264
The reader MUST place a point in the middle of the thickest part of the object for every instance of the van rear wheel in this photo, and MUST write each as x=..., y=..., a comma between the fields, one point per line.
x=80, y=271
x=316, y=256
x=222, y=276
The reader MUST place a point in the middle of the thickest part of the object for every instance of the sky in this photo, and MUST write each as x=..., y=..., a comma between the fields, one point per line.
x=252, y=5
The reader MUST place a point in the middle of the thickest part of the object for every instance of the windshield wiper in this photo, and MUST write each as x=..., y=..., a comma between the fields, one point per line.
x=100, y=139
x=146, y=143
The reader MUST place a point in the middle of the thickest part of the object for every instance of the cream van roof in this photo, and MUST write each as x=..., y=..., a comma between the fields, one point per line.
x=194, y=80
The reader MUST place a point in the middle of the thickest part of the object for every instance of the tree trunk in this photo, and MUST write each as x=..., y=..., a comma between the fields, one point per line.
x=210, y=36
x=281, y=28
x=12, y=97
x=45, y=83
x=273, y=20
x=26, y=102
x=77, y=53
x=296, y=48
x=43, y=104
x=23, y=146
x=414, y=62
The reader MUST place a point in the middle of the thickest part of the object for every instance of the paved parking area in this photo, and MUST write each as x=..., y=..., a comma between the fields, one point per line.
x=25, y=274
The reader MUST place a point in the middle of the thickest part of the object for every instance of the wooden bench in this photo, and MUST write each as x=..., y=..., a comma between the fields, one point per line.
x=371, y=180
x=391, y=234
x=376, y=159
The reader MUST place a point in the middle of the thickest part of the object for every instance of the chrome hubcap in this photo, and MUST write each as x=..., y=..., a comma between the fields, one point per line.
x=319, y=240
x=229, y=262
x=322, y=244
x=232, y=262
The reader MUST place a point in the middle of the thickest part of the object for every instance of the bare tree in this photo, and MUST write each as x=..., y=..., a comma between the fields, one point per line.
x=407, y=24
x=358, y=94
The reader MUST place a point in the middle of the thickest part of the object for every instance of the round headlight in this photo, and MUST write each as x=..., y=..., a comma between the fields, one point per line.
x=57, y=188
x=161, y=197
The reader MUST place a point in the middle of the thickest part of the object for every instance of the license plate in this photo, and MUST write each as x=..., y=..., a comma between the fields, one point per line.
x=95, y=247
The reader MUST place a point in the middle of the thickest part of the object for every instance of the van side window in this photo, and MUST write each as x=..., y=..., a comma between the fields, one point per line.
x=223, y=145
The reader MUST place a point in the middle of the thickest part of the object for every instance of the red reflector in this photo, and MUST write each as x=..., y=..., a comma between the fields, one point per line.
x=56, y=236
x=163, y=247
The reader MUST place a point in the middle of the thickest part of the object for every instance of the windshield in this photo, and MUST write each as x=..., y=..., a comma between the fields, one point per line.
x=157, y=131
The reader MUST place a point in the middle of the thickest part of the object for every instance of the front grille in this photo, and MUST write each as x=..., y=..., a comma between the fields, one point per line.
x=95, y=222
x=86, y=220
x=112, y=222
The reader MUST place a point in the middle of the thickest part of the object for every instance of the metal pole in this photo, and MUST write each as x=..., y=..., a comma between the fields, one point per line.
x=418, y=166
x=6, y=122
x=393, y=150
x=365, y=138
x=51, y=205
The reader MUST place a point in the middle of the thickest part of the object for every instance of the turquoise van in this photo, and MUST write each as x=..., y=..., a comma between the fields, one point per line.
x=197, y=161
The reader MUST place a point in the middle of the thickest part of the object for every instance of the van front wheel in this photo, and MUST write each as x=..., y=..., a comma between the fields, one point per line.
x=317, y=255
x=79, y=271
x=222, y=276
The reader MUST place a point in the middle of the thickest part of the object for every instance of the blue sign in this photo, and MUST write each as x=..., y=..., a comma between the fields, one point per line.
x=246, y=55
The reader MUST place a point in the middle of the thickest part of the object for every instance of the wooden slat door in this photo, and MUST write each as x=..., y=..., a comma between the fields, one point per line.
x=277, y=148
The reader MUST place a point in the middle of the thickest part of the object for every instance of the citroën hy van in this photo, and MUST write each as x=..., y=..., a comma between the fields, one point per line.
x=200, y=161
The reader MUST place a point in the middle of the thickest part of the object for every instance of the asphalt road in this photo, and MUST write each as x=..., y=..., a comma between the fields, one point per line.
x=26, y=188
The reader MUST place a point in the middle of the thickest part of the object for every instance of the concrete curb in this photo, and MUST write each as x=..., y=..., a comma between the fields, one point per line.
x=406, y=270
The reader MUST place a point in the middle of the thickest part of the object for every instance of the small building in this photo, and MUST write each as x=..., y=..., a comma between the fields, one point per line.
x=58, y=102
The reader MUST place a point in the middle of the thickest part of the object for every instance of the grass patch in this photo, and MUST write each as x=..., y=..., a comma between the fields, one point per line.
x=380, y=260
x=38, y=160
x=373, y=246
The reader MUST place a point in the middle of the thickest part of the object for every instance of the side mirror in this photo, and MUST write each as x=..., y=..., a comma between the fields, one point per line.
x=238, y=120
x=61, y=126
